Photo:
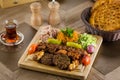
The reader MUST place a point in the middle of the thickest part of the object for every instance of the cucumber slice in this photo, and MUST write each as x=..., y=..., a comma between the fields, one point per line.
x=72, y=44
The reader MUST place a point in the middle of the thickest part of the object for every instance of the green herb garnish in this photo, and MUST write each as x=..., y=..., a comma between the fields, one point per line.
x=68, y=32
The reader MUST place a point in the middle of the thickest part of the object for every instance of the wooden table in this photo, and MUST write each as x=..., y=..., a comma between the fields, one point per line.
x=106, y=64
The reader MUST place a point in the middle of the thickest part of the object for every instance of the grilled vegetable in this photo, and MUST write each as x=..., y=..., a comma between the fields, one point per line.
x=32, y=48
x=53, y=41
x=73, y=44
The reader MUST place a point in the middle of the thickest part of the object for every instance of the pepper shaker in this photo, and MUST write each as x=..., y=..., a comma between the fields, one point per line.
x=54, y=17
x=36, y=19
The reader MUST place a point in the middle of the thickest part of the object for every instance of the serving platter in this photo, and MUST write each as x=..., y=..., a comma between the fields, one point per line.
x=80, y=73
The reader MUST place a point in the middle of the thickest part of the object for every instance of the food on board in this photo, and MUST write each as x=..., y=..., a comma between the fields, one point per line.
x=67, y=49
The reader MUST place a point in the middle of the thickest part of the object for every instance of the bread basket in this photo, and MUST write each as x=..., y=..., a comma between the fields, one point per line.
x=107, y=35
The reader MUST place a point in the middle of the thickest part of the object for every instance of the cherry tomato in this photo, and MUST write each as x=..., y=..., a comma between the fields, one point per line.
x=32, y=48
x=86, y=60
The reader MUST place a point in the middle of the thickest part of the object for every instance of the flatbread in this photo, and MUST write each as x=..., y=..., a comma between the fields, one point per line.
x=99, y=3
x=102, y=2
x=106, y=17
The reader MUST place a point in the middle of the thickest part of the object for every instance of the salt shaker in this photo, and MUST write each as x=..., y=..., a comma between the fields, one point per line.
x=54, y=17
x=36, y=19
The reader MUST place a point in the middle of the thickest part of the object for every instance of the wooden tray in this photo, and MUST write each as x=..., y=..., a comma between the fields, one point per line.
x=80, y=73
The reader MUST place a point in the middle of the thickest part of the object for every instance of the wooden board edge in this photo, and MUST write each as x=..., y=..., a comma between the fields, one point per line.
x=23, y=65
x=85, y=74
x=25, y=52
x=88, y=68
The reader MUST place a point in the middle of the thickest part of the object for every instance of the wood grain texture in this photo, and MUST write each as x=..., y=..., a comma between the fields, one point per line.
x=112, y=75
x=69, y=15
x=9, y=56
x=11, y=3
x=20, y=13
x=81, y=73
x=95, y=75
x=5, y=73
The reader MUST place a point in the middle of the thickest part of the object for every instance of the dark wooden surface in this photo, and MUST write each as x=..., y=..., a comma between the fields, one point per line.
x=106, y=65
x=108, y=57
x=9, y=56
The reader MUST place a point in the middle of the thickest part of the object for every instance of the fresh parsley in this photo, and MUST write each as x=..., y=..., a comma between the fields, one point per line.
x=68, y=32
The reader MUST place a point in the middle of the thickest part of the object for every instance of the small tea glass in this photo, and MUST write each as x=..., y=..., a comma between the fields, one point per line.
x=11, y=36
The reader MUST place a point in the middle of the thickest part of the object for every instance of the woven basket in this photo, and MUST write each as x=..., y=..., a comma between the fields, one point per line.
x=107, y=35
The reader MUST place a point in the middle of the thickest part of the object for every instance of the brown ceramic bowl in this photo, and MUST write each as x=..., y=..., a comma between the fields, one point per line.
x=107, y=35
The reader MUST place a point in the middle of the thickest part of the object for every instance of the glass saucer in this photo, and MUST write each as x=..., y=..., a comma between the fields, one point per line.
x=20, y=39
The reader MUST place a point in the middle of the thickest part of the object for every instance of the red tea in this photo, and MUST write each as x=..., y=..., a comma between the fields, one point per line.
x=11, y=34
